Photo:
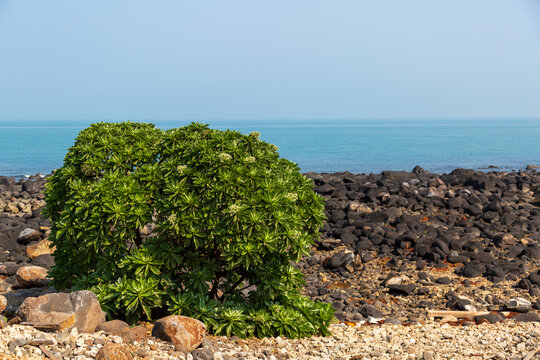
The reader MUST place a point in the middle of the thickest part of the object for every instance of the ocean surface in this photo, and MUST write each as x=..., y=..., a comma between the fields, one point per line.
x=358, y=146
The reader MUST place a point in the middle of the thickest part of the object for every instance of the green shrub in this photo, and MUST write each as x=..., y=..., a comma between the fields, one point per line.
x=99, y=200
x=230, y=216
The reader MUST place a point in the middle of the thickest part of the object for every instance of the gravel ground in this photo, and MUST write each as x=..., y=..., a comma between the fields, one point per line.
x=432, y=340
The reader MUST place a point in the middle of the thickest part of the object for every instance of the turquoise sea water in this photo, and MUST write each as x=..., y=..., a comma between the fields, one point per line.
x=367, y=146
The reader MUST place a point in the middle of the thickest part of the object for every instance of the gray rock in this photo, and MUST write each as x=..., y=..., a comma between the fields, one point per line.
x=392, y=320
x=203, y=354
x=340, y=260
x=473, y=269
x=28, y=235
x=518, y=304
x=370, y=310
x=491, y=318
x=526, y=317
x=403, y=289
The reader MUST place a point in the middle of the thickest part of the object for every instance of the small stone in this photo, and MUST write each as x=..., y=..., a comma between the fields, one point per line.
x=518, y=304
x=444, y=280
x=41, y=341
x=403, y=289
x=142, y=353
x=112, y=327
x=15, y=343
x=448, y=318
x=473, y=269
x=368, y=310
x=203, y=354
x=491, y=318
x=12, y=208
x=112, y=351
x=131, y=335
x=339, y=260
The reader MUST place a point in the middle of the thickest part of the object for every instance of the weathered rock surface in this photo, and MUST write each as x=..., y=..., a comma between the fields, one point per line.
x=180, y=330
x=112, y=326
x=79, y=309
x=32, y=276
x=113, y=351
x=41, y=248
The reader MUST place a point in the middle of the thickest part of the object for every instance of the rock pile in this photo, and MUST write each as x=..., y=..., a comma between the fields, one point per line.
x=456, y=257
x=21, y=197
x=433, y=237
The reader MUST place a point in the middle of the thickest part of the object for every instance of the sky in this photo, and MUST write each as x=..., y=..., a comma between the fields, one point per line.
x=279, y=59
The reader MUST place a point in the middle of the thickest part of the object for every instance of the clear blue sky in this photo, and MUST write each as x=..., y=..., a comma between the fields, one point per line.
x=279, y=59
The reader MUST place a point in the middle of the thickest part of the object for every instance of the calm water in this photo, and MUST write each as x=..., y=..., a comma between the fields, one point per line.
x=29, y=147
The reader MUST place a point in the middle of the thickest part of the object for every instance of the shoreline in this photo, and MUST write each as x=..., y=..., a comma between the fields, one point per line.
x=487, y=170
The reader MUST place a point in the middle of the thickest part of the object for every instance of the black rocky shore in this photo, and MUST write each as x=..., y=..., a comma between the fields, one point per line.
x=394, y=245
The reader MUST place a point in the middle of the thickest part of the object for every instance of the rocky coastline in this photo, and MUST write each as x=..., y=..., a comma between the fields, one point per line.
x=417, y=265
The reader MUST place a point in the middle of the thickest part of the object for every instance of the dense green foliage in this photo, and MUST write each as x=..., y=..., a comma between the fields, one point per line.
x=196, y=221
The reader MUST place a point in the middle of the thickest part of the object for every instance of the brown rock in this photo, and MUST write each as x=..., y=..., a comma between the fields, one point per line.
x=31, y=276
x=359, y=207
x=113, y=326
x=136, y=333
x=506, y=240
x=122, y=329
x=60, y=308
x=3, y=303
x=113, y=351
x=41, y=248
x=434, y=192
x=180, y=330
x=12, y=208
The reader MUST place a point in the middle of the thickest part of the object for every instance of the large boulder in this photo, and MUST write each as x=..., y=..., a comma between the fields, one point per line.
x=180, y=330
x=80, y=307
x=32, y=276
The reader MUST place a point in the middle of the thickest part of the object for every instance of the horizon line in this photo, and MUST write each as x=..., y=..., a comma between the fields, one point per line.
x=293, y=119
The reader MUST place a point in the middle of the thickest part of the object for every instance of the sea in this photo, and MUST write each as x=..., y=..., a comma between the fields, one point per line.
x=358, y=146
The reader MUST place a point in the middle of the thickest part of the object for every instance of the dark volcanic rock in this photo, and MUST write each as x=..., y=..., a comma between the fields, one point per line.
x=526, y=317
x=339, y=260
x=370, y=310
x=473, y=269
x=491, y=318
x=403, y=289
